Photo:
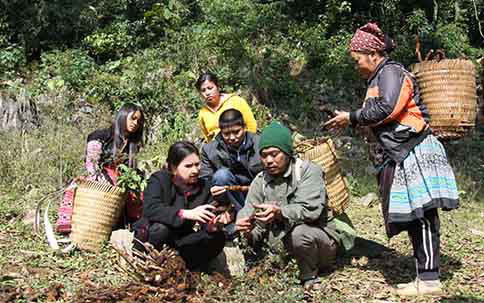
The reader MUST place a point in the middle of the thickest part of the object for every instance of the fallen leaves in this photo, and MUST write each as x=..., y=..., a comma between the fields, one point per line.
x=51, y=294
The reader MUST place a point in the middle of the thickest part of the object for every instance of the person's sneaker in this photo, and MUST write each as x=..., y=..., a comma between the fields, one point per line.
x=419, y=287
x=312, y=284
x=403, y=285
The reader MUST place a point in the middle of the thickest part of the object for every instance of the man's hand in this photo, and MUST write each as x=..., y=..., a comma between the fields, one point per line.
x=244, y=225
x=202, y=213
x=217, y=190
x=341, y=120
x=224, y=218
x=267, y=213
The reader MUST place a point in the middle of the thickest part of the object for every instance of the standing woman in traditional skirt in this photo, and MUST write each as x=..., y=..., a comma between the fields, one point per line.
x=414, y=176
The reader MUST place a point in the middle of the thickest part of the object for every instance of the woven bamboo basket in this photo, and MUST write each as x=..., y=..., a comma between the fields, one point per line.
x=322, y=151
x=97, y=207
x=448, y=89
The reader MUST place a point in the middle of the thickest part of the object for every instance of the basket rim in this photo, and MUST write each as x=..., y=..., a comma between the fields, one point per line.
x=112, y=188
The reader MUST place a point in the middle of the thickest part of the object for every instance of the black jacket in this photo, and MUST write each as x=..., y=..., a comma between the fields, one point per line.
x=216, y=155
x=162, y=200
x=106, y=137
x=394, y=111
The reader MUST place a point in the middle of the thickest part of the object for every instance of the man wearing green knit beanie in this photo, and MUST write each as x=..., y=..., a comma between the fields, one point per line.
x=286, y=201
x=276, y=135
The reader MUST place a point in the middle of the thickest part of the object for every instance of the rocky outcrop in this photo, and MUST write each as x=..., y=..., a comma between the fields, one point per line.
x=17, y=112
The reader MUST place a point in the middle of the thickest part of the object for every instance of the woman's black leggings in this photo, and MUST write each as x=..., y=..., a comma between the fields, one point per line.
x=424, y=233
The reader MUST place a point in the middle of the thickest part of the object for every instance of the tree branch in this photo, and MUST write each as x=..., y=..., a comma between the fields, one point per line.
x=477, y=18
x=436, y=11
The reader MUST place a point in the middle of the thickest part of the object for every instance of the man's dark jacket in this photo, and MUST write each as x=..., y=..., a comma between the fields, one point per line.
x=216, y=155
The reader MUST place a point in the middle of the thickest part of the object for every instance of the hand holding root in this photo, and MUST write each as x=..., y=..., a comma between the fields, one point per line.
x=241, y=188
x=221, y=207
x=224, y=218
x=217, y=190
x=267, y=213
x=219, y=221
x=202, y=213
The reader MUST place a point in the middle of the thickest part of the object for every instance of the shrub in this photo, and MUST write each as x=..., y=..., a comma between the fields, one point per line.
x=12, y=58
x=113, y=41
x=71, y=67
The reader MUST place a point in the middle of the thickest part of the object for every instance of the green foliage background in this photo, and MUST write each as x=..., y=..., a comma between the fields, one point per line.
x=284, y=57
x=280, y=53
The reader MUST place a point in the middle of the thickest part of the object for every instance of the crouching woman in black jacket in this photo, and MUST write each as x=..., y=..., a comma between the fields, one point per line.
x=174, y=200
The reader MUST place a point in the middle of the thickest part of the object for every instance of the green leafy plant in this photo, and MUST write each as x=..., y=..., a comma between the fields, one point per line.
x=131, y=179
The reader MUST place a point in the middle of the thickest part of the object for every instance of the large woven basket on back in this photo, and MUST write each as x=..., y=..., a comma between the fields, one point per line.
x=97, y=207
x=321, y=151
x=448, y=89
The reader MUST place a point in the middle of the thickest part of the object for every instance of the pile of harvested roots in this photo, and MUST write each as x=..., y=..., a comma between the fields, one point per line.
x=157, y=268
x=158, y=276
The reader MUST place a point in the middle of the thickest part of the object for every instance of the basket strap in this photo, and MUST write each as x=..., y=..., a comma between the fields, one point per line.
x=297, y=173
x=49, y=232
x=332, y=149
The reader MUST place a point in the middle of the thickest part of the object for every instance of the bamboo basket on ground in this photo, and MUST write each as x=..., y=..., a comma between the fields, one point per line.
x=448, y=90
x=97, y=207
x=322, y=151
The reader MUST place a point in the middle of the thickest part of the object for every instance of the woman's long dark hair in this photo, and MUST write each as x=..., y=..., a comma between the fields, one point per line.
x=135, y=140
x=179, y=151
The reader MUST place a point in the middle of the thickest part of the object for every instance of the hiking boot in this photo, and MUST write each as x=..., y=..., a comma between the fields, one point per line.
x=419, y=287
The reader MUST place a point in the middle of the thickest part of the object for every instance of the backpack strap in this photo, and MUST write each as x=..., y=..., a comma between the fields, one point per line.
x=297, y=174
x=298, y=169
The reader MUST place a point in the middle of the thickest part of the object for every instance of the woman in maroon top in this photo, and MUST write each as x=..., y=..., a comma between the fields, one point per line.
x=175, y=200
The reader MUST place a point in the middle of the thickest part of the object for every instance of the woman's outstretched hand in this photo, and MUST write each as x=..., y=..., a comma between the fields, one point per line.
x=341, y=120
x=202, y=213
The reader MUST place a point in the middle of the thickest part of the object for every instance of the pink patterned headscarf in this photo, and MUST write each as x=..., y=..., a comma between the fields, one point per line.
x=369, y=37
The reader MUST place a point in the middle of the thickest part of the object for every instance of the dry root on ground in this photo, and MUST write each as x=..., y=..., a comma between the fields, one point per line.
x=157, y=276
